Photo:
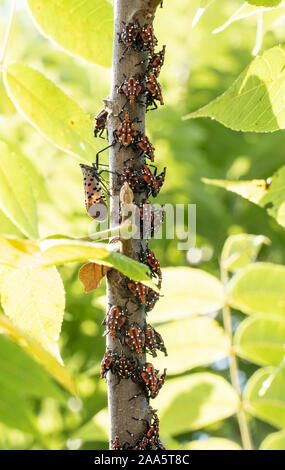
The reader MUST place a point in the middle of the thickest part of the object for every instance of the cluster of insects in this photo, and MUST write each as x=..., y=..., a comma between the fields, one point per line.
x=149, y=441
x=134, y=339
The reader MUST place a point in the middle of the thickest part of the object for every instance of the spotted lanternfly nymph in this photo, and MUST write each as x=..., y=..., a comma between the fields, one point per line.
x=100, y=123
x=95, y=190
x=131, y=88
x=156, y=62
x=115, y=320
x=153, y=341
x=153, y=91
x=151, y=380
x=129, y=37
x=135, y=339
x=148, y=38
x=126, y=133
x=145, y=145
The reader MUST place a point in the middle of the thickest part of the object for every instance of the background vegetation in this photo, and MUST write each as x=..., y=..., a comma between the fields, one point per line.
x=198, y=406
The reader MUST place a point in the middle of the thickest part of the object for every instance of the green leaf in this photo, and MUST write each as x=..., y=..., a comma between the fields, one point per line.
x=8, y=228
x=14, y=410
x=194, y=401
x=260, y=339
x=19, y=371
x=256, y=100
x=241, y=249
x=214, y=443
x=196, y=292
x=269, y=405
x=34, y=301
x=274, y=441
x=50, y=110
x=201, y=339
x=82, y=28
x=50, y=252
x=265, y=3
x=96, y=429
x=259, y=288
x=57, y=371
x=16, y=196
x=269, y=194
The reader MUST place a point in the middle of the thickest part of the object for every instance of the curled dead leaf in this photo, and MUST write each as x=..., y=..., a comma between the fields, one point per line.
x=91, y=274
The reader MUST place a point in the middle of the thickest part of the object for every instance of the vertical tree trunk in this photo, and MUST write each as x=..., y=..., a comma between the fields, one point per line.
x=122, y=408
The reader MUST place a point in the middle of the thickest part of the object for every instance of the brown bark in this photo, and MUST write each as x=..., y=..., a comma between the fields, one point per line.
x=122, y=408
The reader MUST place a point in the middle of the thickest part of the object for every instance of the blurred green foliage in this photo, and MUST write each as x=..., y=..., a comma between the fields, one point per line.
x=199, y=66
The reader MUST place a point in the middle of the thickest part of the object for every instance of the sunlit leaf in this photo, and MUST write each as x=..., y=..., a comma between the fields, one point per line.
x=16, y=197
x=274, y=441
x=256, y=100
x=268, y=406
x=50, y=110
x=50, y=252
x=200, y=339
x=192, y=402
x=241, y=249
x=196, y=292
x=82, y=28
x=265, y=3
x=19, y=371
x=34, y=300
x=57, y=371
x=269, y=194
x=259, y=288
x=212, y=444
x=261, y=339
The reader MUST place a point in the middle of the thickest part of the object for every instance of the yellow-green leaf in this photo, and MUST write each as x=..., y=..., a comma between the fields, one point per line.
x=241, y=249
x=96, y=429
x=269, y=405
x=57, y=371
x=215, y=443
x=269, y=194
x=200, y=339
x=196, y=292
x=274, y=441
x=16, y=196
x=255, y=101
x=82, y=28
x=50, y=110
x=194, y=401
x=259, y=288
x=34, y=300
x=261, y=339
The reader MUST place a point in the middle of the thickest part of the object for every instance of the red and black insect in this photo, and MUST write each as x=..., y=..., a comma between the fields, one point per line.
x=142, y=444
x=147, y=257
x=124, y=368
x=156, y=62
x=151, y=380
x=100, y=123
x=158, y=182
x=148, y=38
x=106, y=363
x=130, y=37
x=154, y=341
x=135, y=339
x=151, y=220
x=138, y=180
x=145, y=145
x=144, y=295
x=95, y=189
x=153, y=91
x=132, y=87
x=126, y=133
x=115, y=320
x=115, y=445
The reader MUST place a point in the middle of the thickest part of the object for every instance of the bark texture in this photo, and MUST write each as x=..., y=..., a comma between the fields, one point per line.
x=122, y=408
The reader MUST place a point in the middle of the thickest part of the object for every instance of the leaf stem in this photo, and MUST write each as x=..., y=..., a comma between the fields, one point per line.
x=4, y=48
x=241, y=415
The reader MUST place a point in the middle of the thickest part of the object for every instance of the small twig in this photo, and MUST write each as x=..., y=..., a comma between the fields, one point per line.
x=7, y=35
x=241, y=415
